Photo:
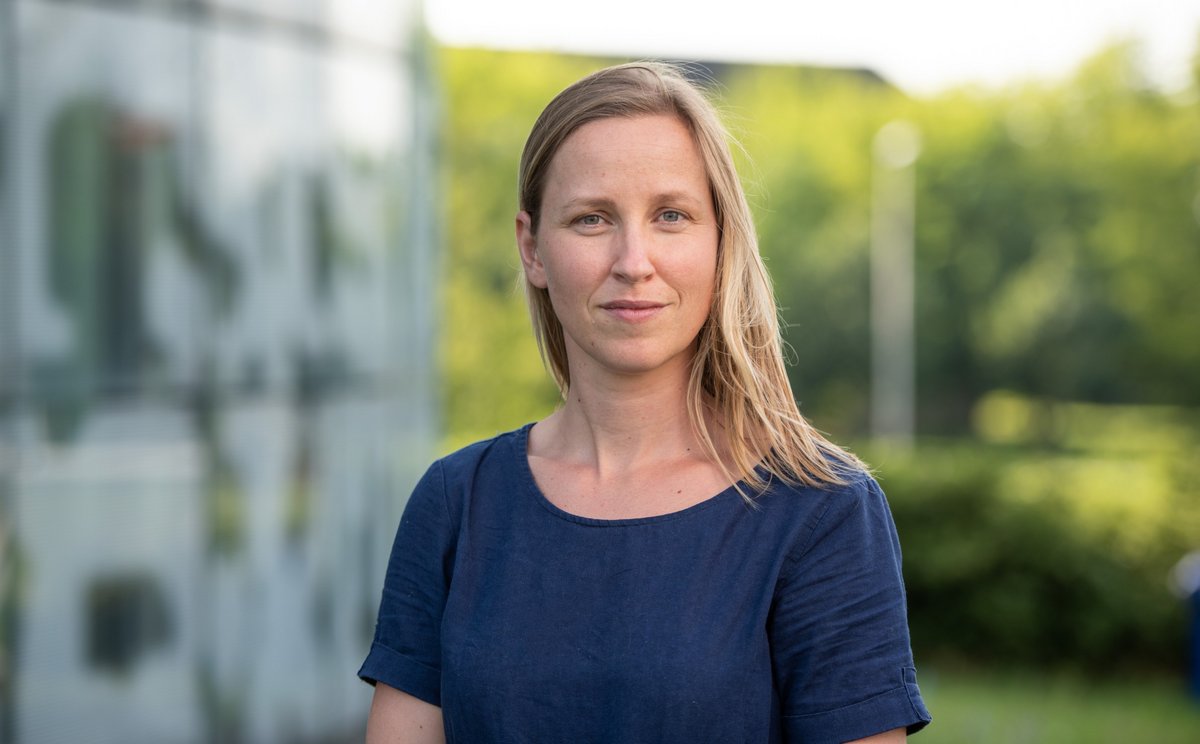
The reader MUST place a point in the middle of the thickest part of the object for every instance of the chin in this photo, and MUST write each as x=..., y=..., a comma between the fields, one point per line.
x=635, y=363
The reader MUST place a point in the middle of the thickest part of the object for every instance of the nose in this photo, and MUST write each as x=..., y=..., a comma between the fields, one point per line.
x=632, y=261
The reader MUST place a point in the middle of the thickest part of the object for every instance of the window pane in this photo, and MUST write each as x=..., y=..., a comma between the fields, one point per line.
x=215, y=362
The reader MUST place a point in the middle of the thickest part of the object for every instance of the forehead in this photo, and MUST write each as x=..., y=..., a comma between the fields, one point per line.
x=627, y=152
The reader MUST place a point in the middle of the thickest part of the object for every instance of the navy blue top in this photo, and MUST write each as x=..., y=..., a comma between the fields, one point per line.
x=722, y=623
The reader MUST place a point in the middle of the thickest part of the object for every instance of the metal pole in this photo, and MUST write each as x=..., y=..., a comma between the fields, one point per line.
x=893, y=358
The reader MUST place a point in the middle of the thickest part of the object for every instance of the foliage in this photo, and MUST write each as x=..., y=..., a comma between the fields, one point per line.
x=1057, y=236
x=1052, y=556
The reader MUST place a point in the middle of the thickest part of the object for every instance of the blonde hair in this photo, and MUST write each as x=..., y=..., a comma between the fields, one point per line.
x=738, y=374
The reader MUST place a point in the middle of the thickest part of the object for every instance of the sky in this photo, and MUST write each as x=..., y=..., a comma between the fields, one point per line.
x=923, y=46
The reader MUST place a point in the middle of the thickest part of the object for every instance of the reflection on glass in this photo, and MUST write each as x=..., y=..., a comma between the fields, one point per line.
x=111, y=181
x=11, y=575
x=127, y=617
x=220, y=339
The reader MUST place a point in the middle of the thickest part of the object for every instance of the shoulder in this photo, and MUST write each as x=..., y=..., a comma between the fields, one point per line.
x=489, y=465
x=857, y=489
x=852, y=513
x=440, y=498
x=500, y=450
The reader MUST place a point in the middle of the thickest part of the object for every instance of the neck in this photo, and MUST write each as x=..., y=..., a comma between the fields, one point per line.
x=620, y=423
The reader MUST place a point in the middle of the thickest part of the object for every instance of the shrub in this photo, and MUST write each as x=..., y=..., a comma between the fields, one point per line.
x=1044, y=557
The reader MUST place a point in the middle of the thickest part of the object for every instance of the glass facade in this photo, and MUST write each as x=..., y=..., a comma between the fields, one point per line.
x=216, y=360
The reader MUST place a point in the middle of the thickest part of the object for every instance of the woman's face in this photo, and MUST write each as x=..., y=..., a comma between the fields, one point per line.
x=626, y=245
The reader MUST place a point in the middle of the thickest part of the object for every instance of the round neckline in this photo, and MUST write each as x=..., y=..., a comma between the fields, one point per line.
x=534, y=490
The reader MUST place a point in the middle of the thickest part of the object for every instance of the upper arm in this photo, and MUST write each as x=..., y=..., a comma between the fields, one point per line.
x=839, y=628
x=895, y=736
x=399, y=718
x=406, y=651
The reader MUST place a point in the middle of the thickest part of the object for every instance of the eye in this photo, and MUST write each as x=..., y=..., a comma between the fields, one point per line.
x=672, y=216
x=589, y=220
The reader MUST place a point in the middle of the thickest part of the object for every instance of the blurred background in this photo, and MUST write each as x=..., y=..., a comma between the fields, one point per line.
x=257, y=270
x=217, y=360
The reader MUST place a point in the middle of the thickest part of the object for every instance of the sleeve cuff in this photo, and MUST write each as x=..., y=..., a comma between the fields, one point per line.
x=399, y=671
x=900, y=707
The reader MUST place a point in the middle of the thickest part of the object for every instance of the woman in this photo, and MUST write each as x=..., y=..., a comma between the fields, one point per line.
x=674, y=555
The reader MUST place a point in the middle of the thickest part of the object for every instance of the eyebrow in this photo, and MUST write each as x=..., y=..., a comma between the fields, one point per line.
x=601, y=202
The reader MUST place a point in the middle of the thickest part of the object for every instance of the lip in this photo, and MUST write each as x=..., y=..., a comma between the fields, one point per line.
x=632, y=310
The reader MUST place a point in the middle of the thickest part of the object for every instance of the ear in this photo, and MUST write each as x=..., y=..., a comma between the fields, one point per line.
x=535, y=271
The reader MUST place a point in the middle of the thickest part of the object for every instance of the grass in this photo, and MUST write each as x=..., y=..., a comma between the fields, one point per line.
x=1025, y=708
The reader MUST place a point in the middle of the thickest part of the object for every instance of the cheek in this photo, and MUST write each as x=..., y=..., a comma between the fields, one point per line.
x=708, y=293
x=570, y=272
x=568, y=284
x=703, y=279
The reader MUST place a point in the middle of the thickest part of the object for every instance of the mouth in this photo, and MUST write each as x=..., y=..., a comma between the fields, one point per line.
x=631, y=305
x=632, y=310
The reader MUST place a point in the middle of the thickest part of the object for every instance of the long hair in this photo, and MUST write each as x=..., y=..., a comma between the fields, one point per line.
x=737, y=375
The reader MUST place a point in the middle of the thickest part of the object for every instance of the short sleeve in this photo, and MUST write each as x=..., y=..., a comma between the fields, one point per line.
x=839, y=629
x=406, y=650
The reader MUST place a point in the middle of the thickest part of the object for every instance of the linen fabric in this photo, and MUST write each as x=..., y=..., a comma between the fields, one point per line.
x=780, y=621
